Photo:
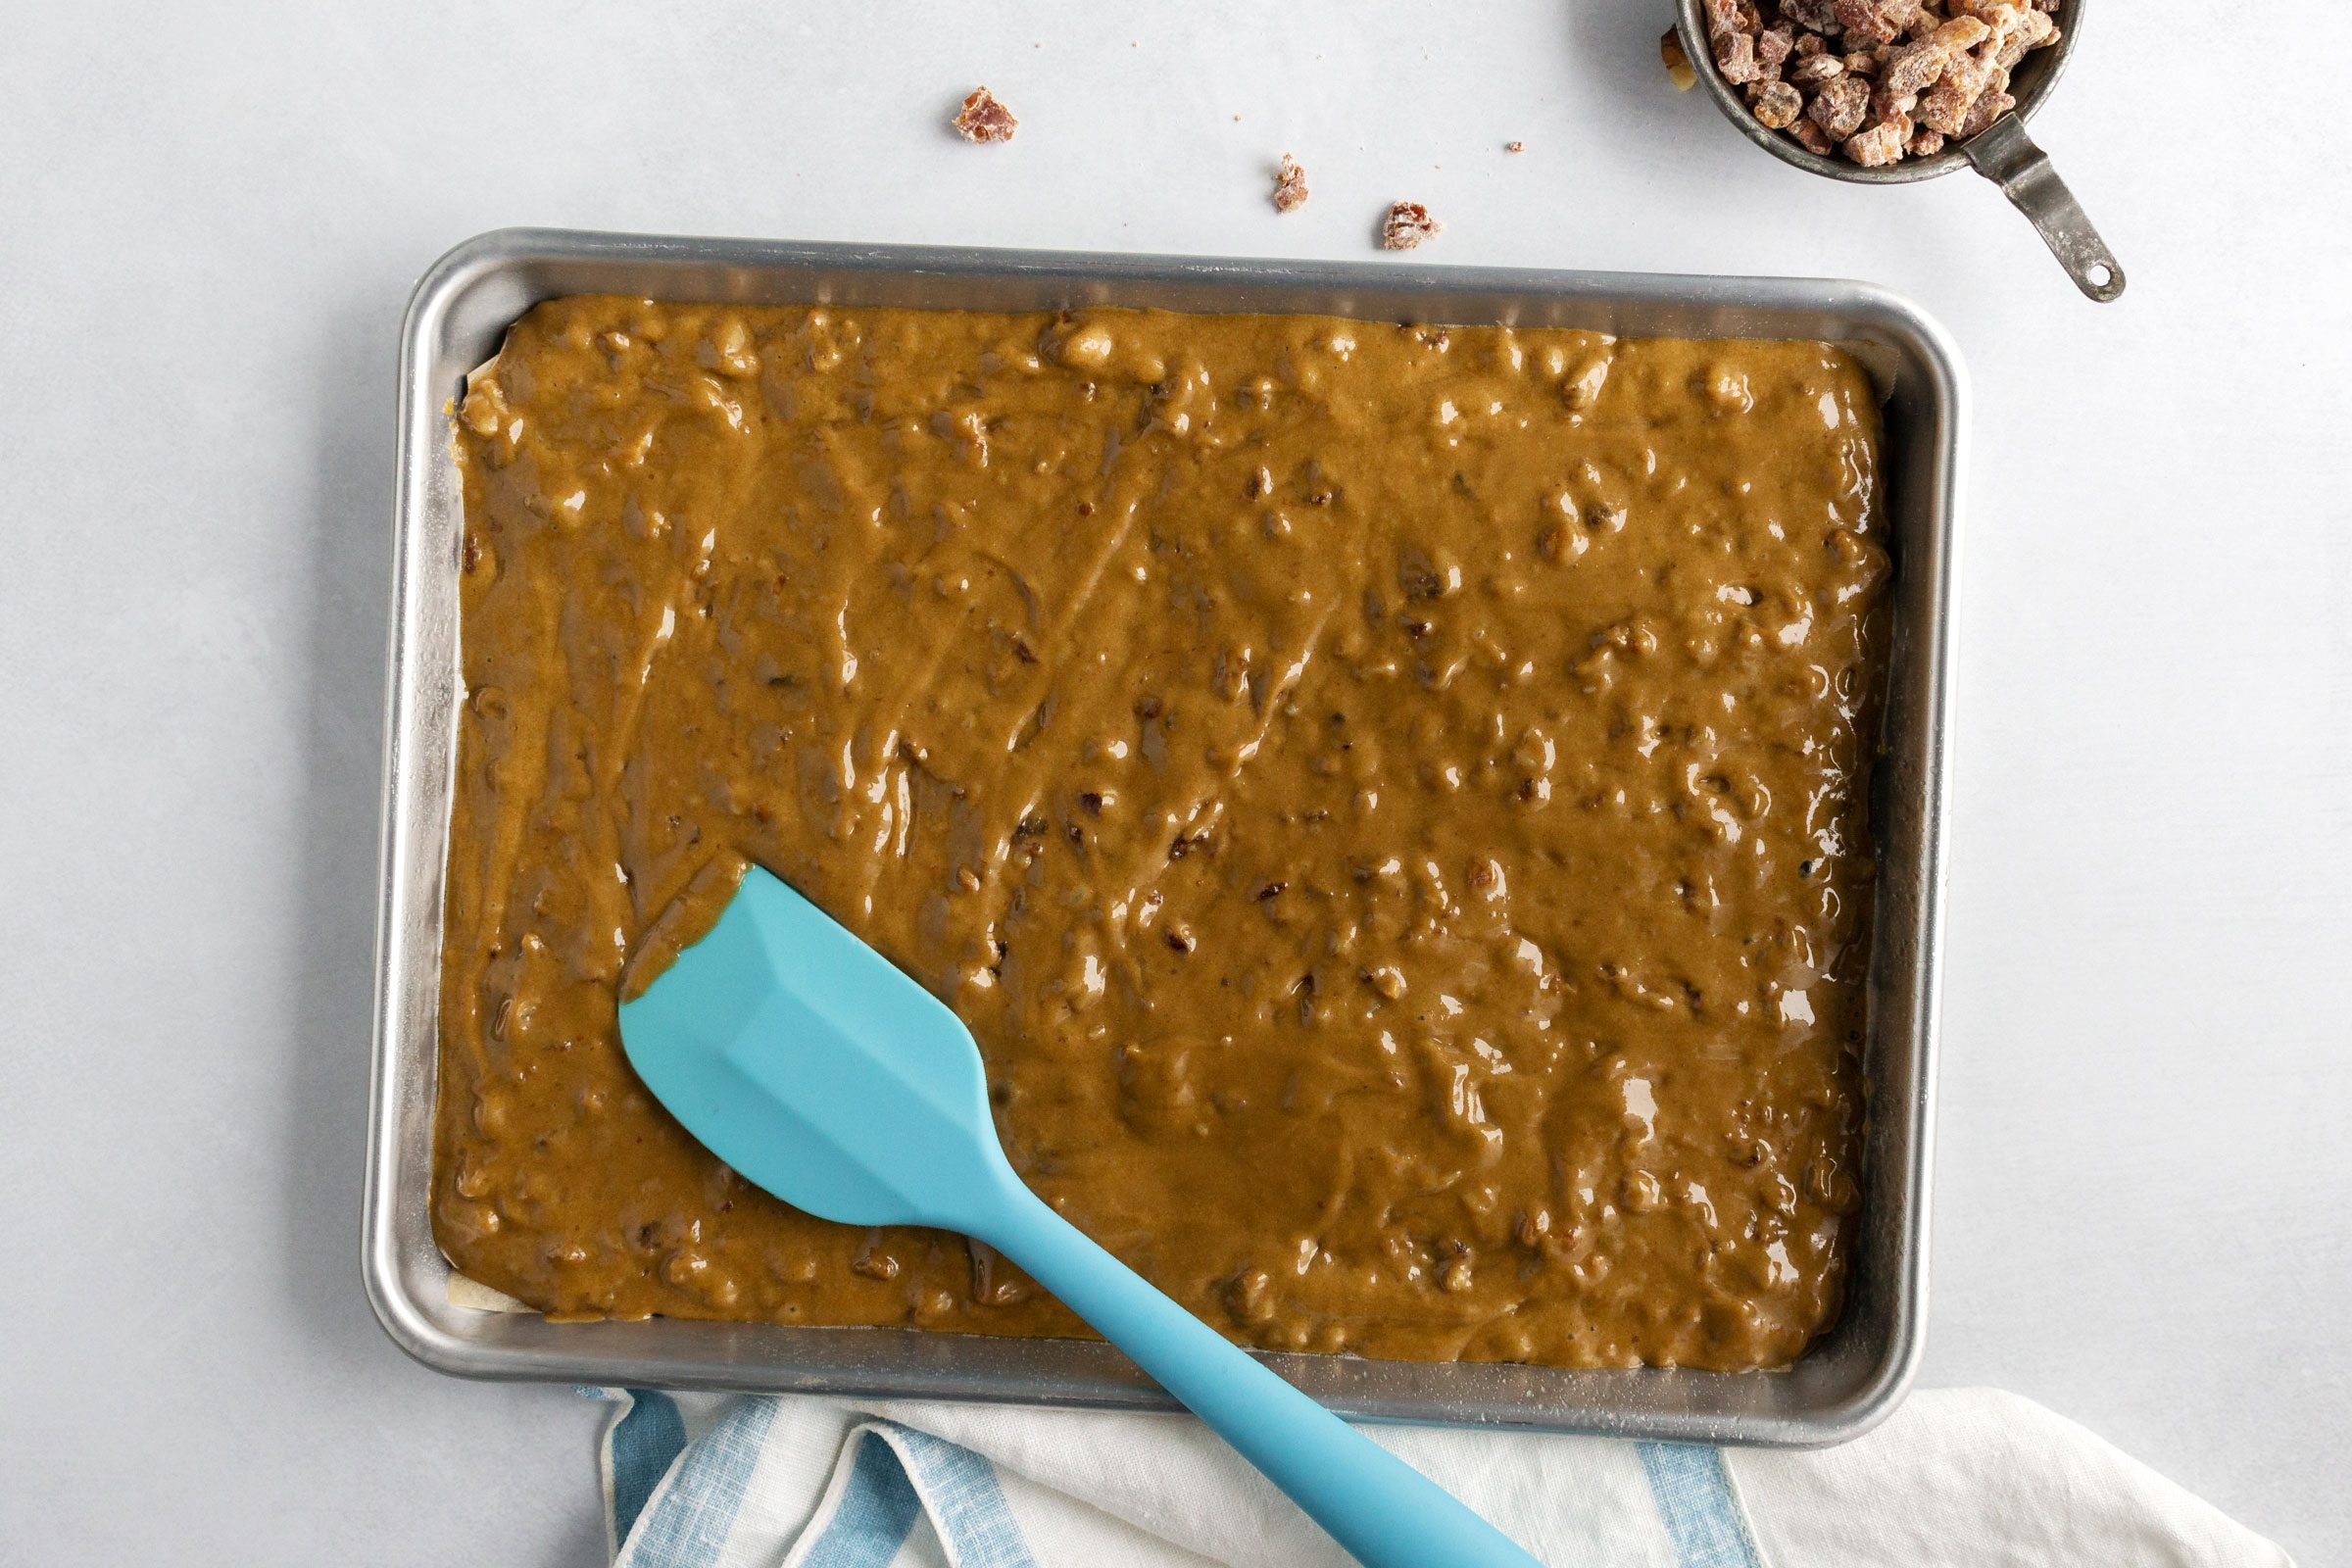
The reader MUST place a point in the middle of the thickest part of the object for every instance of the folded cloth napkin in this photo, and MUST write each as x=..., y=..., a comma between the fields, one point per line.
x=1966, y=1477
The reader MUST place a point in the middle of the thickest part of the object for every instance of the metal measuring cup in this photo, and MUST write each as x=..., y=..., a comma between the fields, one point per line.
x=2003, y=151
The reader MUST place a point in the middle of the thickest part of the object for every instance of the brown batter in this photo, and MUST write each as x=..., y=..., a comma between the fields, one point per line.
x=1389, y=801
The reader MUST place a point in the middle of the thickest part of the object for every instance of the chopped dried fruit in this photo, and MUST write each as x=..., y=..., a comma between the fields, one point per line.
x=1778, y=104
x=1988, y=107
x=1732, y=16
x=1973, y=73
x=1841, y=105
x=1407, y=226
x=983, y=119
x=2025, y=30
x=1915, y=67
x=1887, y=80
x=1812, y=137
x=1880, y=145
x=1950, y=103
x=1944, y=108
x=1962, y=32
x=1868, y=22
x=1290, y=185
x=1735, y=56
x=1678, y=64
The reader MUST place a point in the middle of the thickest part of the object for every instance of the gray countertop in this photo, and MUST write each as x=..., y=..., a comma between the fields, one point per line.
x=210, y=218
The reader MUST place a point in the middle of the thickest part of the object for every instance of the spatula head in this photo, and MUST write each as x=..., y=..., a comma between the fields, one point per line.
x=809, y=1064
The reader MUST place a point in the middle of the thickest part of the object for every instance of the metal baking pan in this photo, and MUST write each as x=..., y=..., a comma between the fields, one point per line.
x=461, y=311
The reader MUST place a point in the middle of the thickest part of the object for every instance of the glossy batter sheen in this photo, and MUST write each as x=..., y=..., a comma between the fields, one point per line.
x=1389, y=801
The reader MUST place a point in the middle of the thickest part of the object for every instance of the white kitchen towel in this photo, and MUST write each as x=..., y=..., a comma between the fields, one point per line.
x=1956, y=1479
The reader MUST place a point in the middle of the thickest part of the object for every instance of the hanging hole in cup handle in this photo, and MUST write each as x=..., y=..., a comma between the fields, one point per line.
x=2005, y=155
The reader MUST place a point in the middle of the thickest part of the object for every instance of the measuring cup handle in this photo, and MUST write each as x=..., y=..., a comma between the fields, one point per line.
x=2004, y=154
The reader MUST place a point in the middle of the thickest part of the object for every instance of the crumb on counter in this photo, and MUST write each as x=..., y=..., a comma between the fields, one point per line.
x=983, y=119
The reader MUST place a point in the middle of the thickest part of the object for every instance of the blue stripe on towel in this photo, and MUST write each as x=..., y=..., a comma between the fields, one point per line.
x=877, y=1510
x=1694, y=1494
x=639, y=1449
x=688, y=1525
x=966, y=1501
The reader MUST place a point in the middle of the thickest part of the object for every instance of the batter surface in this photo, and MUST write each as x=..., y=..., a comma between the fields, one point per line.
x=1389, y=801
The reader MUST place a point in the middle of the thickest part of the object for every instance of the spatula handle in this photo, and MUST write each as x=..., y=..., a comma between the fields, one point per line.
x=1384, y=1511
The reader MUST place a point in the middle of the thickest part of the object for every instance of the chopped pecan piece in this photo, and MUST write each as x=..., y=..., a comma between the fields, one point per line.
x=1408, y=226
x=1290, y=185
x=983, y=119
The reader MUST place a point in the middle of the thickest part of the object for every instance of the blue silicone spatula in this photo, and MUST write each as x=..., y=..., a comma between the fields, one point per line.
x=802, y=1059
